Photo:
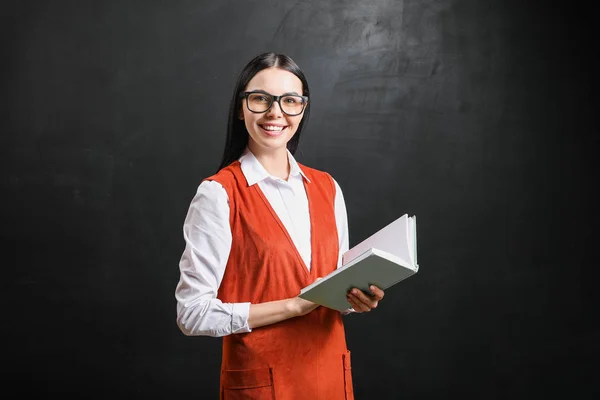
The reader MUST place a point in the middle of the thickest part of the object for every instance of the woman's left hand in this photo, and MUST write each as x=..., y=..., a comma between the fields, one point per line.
x=362, y=302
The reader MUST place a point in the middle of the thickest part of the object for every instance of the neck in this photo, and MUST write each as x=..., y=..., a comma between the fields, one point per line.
x=275, y=162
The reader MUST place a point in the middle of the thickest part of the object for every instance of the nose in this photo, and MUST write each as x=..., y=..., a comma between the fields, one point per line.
x=275, y=110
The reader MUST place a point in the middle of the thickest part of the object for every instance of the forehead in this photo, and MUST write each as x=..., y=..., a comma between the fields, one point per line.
x=275, y=81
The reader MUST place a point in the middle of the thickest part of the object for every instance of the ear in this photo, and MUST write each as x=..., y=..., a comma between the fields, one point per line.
x=241, y=114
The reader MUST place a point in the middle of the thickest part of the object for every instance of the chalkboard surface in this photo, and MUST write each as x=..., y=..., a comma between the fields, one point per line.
x=477, y=116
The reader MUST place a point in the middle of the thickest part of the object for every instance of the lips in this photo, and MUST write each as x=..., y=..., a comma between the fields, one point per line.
x=272, y=129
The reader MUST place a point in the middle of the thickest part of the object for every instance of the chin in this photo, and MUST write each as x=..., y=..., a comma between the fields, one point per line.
x=271, y=143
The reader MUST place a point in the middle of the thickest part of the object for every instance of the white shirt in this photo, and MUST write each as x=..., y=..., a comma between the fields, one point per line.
x=207, y=235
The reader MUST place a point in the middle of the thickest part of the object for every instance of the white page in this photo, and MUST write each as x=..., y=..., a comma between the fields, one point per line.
x=396, y=238
x=412, y=230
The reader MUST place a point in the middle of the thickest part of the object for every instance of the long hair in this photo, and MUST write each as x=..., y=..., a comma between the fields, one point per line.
x=237, y=135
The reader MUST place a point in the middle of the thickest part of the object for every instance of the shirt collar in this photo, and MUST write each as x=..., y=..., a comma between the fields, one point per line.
x=255, y=172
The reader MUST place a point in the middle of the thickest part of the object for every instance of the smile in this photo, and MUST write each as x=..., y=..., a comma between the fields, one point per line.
x=273, y=130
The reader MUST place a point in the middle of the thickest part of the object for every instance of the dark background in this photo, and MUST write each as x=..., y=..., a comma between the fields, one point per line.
x=476, y=116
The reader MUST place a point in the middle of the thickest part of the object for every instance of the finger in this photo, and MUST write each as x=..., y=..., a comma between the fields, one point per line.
x=357, y=303
x=370, y=301
x=364, y=298
x=377, y=293
x=364, y=302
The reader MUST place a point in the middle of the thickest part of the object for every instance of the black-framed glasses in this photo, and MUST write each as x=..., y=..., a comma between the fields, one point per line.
x=259, y=101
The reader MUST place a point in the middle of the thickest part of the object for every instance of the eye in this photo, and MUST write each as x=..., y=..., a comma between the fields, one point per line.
x=262, y=98
x=291, y=100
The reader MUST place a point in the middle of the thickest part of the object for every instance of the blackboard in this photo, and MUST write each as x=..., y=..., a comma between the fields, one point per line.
x=476, y=116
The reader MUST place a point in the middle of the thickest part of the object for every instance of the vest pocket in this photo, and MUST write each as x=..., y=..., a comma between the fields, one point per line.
x=348, y=388
x=248, y=384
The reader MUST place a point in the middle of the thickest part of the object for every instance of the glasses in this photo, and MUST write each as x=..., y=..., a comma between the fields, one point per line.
x=259, y=101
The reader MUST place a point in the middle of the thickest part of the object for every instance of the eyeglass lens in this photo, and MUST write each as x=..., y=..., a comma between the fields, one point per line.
x=260, y=102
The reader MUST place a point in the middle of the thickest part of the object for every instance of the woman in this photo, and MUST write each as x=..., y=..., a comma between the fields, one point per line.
x=257, y=232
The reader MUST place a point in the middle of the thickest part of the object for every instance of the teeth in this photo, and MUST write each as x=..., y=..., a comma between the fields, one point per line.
x=272, y=128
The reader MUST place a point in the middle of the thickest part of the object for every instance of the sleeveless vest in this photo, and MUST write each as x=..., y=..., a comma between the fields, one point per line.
x=299, y=358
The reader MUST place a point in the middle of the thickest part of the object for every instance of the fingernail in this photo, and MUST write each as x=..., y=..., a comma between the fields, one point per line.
x=355, y=291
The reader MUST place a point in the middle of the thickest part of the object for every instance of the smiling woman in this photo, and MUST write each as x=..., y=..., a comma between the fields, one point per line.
x=257, y=232
x=270, y=125
x=272, y=75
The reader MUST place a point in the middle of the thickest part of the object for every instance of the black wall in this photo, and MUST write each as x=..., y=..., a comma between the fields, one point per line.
x=477, y=116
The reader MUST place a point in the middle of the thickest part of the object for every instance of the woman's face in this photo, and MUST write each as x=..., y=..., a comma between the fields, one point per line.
x=272, y=129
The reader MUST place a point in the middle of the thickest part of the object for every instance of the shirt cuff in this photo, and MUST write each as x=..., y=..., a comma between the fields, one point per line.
x=239, y=318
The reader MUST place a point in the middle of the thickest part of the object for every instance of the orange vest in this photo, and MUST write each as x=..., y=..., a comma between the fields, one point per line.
x=302, y=358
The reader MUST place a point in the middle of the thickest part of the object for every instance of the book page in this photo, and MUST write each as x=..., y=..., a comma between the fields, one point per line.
x=412, y=230
x=396, y=238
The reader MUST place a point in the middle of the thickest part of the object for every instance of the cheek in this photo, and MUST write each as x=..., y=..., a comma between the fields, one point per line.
x=249, y=126
x=247, y=117
x=296, y=121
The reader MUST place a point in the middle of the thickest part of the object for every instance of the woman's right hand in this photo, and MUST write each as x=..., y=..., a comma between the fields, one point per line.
x=302, y=307
x=271, y=312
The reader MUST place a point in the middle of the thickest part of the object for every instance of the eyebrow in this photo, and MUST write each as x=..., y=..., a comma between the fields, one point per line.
x=265, y=92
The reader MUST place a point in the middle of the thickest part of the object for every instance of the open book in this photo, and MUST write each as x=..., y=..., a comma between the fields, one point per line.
x=383, y=259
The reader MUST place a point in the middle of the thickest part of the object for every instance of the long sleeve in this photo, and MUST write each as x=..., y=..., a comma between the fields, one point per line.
x=341, y=219
x=207, y=236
